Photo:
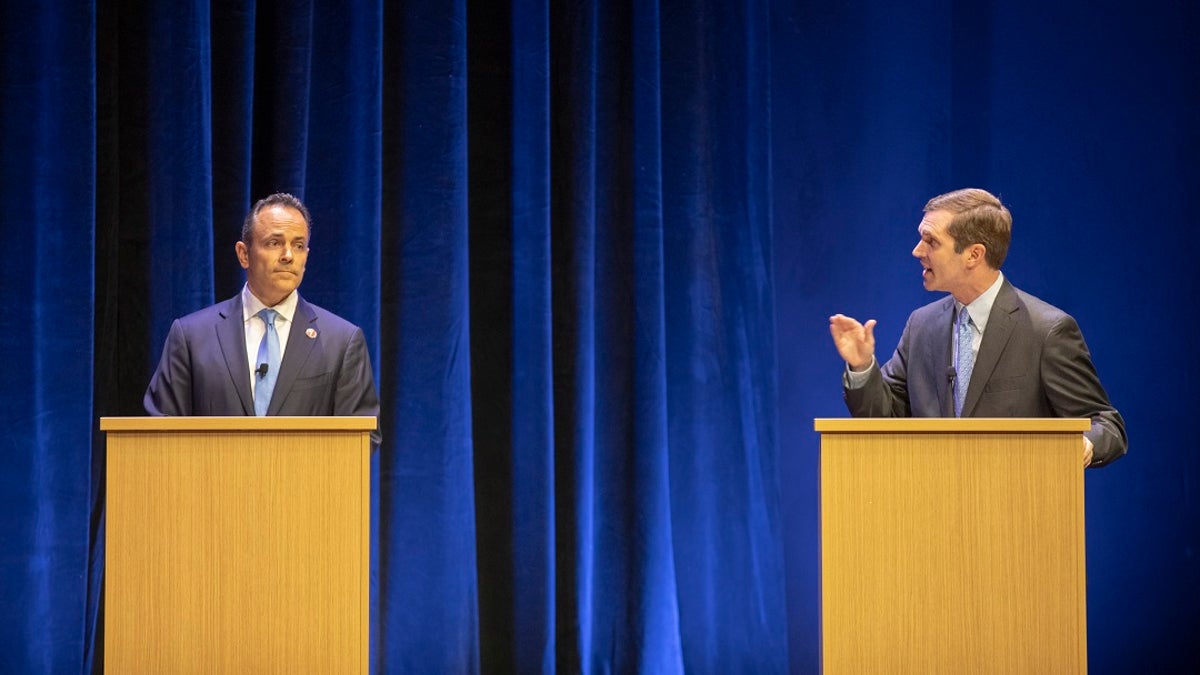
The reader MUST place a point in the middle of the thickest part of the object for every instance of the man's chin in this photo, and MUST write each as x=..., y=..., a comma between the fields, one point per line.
x=284, y=287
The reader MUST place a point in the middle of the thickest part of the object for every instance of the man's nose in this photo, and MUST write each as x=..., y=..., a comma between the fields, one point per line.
x=287, y=252
x=917, y=251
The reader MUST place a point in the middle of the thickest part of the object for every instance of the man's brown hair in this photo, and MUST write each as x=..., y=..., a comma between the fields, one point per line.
x=979, y=218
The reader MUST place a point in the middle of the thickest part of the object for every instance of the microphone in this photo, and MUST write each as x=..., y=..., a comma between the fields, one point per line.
x=261, y=370
x=951, y=377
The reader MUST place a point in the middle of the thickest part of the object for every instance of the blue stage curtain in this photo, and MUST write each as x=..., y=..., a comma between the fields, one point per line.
x=556, y=223
x=552, y=222
x=47, y=212
x=629, y=483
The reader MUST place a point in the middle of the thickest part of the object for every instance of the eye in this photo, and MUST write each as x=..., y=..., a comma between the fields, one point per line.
x=300, y=246
x=272, y=243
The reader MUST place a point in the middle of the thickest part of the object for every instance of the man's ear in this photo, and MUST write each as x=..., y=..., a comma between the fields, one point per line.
x=243, y=254
x=976, y=253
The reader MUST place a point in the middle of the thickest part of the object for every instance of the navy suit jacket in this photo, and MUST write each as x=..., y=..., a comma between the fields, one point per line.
x=325, y=370
x=1032, y=362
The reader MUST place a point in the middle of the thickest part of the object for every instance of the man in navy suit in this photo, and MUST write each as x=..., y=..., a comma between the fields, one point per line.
x=1025, y=358
x=214, y=360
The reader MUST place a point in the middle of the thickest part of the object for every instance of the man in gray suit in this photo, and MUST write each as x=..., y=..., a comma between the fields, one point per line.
x=266, y=351
x=986, y=350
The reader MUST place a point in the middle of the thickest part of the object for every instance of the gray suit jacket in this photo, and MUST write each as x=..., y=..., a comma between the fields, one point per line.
x=1032, y=362
x=203, y=370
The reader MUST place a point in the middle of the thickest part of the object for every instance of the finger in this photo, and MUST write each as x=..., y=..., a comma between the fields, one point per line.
x=843, y=322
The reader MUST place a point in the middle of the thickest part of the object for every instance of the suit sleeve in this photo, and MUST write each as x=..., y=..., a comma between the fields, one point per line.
x=355, y=393
x=170, y=389
x=1074, y=390
x=885, y=393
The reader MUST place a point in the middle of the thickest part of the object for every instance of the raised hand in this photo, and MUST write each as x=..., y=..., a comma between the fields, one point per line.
x=854, y=341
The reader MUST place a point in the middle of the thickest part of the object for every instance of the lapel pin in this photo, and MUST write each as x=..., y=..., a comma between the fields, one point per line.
x=311, y=333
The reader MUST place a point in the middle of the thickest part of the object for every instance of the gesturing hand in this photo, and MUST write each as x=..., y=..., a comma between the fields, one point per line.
x=854, y=341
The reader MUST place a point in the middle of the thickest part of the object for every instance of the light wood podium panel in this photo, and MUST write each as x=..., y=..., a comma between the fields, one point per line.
x=237, y=544
x=952, y=546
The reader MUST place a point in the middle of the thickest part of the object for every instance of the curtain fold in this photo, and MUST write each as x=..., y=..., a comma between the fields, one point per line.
x=428, y=589
x=234, y=59
x=533, y=486
x=720, y=363
x=637, y=610
x=574, y=88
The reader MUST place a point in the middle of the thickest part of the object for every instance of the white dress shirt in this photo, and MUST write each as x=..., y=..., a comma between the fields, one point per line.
x=256, y=329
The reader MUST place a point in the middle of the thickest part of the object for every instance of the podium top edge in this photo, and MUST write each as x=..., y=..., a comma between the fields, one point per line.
x=952, y=425
x=272, y=423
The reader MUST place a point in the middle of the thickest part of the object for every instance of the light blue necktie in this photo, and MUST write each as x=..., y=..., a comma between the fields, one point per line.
x=268, y=354
x=964, y=359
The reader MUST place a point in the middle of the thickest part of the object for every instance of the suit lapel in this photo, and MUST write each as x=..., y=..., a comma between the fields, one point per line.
x=939, y=348
x=231, y=335
x=999, y=328
x=299, y=347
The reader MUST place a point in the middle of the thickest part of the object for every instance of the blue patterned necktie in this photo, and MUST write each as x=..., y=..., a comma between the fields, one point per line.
x=268, y=355
x=964, y=359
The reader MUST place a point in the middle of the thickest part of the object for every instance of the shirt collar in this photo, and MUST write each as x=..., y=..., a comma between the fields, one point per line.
x=981, y=308
x=251, y=305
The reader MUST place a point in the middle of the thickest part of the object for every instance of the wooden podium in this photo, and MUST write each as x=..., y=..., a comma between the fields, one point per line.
x=952, y=546
x=237, y=544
